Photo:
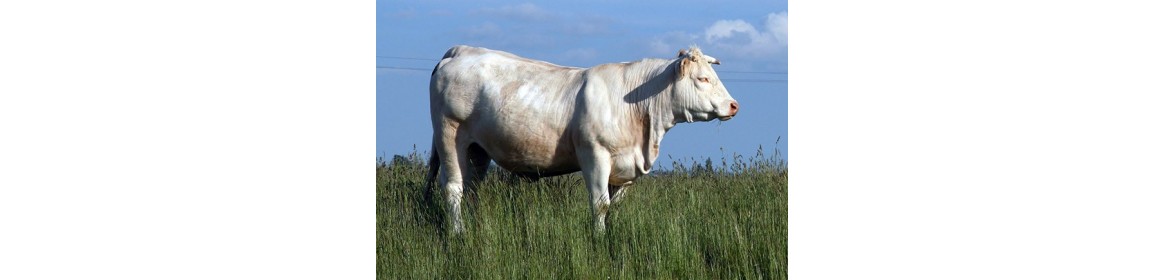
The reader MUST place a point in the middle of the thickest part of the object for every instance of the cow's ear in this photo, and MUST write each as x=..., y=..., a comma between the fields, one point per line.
x=683, y=53
x=682, y=68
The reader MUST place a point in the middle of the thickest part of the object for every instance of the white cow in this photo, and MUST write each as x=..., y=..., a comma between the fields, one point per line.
x=537, y=119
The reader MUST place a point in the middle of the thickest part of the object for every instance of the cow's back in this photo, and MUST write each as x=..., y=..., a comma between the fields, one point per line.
x=519, y=110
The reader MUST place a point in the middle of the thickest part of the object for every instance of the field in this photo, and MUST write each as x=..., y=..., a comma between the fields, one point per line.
x=696, y=221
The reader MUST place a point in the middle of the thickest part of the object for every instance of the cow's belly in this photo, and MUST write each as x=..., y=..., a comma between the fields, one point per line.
x=520, y=149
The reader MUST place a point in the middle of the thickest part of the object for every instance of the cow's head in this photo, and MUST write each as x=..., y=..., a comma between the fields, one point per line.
x=698, y=93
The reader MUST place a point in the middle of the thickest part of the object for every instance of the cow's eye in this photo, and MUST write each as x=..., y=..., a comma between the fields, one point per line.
x=702, y=79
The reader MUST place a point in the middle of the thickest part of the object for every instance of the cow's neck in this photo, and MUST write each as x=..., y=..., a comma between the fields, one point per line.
x=651, y=104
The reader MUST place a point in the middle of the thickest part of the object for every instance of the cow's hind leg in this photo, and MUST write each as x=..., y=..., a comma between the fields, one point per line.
x=619, y=192
x=454, y=166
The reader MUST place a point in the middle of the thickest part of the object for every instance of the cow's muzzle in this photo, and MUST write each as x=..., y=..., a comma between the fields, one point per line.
x=732, y=109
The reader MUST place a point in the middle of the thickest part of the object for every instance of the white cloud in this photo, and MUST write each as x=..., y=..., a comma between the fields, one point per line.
x=740, y=36
x=732, y=38
x=778, y=24
x=725, y=29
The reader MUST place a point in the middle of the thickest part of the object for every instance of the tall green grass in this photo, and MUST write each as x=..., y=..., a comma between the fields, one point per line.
x=694, y=221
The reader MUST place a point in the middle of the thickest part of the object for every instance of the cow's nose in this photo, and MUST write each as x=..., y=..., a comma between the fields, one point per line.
x=732, y=108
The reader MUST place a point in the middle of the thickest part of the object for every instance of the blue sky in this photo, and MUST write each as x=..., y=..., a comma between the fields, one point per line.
x=749, y=37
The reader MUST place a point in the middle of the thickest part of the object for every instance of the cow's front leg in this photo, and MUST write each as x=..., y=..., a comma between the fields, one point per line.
x=596, y=170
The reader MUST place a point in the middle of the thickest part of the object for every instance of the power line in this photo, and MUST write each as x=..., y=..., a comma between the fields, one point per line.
x=758, y=72
x=412, y=58
x=402, y=68
x=755, y=80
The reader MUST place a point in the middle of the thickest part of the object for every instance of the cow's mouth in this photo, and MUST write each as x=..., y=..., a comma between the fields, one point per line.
x=725, y=118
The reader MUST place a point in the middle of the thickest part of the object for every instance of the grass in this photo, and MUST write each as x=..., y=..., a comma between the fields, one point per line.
x=695, y=221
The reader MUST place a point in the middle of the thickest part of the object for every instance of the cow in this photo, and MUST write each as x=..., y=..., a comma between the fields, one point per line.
x=537, y=119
